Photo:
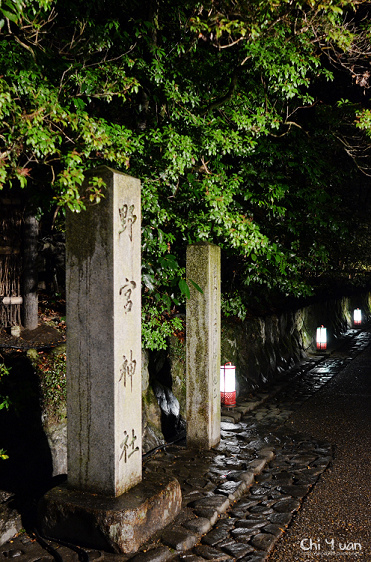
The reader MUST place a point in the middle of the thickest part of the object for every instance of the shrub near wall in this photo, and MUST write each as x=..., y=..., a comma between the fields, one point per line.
x=50, y=368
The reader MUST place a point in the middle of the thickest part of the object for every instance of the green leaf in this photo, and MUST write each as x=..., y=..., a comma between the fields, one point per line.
x=197, y=287
x=148, y=281
x=183, y=286
x=169, y=262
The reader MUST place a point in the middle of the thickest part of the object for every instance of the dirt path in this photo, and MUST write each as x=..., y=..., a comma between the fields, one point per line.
x=334, y=522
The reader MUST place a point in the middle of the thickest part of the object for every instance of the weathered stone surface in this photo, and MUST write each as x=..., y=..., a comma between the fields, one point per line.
x=161, y=554
x=229, y=447
x=243, y=535
x=275, y=530
x=191, y=496
x=263, y=509
x=210, y=553
x=190, y=558
x=295, y=491
x=103, y=294
x=10, y=522
x=264, y=541
x=197, y=482
x=266, y=453
x=283, y=478
x=303, y=460
x=258, y=465
x=179, y=539
x=231, y=489
x=251, y=524
x=277, y=495
x=225, y=426
x=227, y=523
x=231, y=415
x=237, y=549
x=220, y=503
x=215, y=536
x=226, y=418
x=245, y=503
x=322, y=462
x=14, y=553
x=255, y=516
x=257, y=490
x=247, y=477
x=314, y=471
x=209, y=513
x=286, y=506
x=200, y=526
x=203, y=346
x=282, y=519
x=120, y=524
x=305, y=479
x=269, y=503
x=57, y=441
x=95, y=555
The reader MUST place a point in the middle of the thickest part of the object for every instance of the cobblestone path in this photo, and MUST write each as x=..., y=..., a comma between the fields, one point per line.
x=239, y=498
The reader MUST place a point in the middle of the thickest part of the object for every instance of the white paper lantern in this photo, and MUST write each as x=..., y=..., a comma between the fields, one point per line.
x=321, y=337
x=357, y=316
x=228, y=384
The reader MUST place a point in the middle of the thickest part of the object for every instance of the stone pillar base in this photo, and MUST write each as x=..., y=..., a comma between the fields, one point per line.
x=119, y=524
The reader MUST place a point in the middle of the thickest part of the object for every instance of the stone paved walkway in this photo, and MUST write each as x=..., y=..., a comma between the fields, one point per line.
x=240, y=497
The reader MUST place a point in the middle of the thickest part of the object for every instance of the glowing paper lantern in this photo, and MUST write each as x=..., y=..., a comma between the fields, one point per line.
x=357, y=316
x=228, y=384
x=321, y=338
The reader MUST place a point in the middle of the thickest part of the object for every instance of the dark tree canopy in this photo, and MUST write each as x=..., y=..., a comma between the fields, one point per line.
x=247, y=122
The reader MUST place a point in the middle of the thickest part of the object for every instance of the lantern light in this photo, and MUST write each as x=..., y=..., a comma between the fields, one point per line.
x=228, y=384
x=321, y=337
x=357, y=316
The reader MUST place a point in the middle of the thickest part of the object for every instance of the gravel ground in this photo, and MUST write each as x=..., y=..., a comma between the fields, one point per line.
x=334, y=521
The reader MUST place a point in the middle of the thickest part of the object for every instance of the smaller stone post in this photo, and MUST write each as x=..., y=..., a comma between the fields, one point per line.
x=203, y=346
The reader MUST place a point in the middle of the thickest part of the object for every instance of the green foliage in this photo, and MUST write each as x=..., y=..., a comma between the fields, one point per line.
x=4, y=400
x=3, y=455
x=364, y=121
x=206, y=104
x=233, y=305
x=51, y=370
x=158, y=324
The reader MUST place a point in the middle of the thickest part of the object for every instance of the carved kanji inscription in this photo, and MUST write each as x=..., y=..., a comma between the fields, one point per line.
x=127, y=446
x=127, y=219
x=128, y=369
x=126, y=291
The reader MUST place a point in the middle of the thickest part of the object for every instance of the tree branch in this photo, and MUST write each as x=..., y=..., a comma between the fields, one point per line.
x=223, y=99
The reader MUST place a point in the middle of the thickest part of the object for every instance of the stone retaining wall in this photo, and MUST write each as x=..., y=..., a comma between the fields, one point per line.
x=260, y=348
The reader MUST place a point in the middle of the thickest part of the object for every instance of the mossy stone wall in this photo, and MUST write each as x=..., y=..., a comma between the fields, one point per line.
x=263, y=347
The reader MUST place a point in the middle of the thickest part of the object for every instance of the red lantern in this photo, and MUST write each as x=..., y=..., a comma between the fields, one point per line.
x=228, y=384
x=321, y=338
x=357, y=317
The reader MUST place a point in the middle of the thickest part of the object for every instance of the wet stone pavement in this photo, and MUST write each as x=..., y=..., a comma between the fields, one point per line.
x=239, y=498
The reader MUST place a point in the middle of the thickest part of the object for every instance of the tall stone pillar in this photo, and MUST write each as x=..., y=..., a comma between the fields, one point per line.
x=203, y=346
x=103, y=293
x=106, y=504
